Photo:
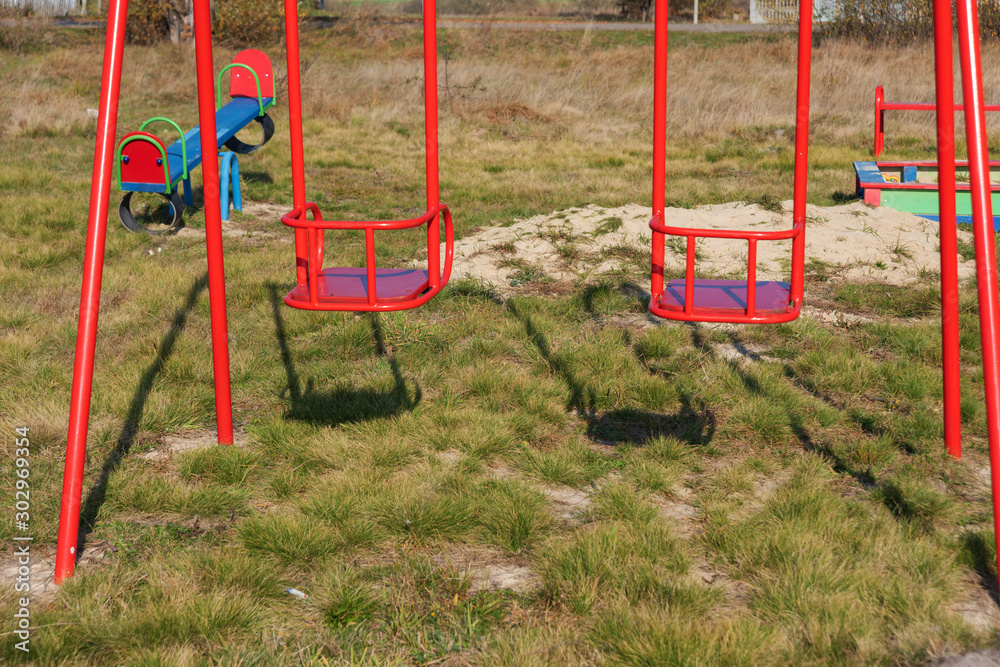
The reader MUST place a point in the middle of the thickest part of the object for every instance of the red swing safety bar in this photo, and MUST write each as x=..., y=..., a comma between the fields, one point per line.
x=749, y=301
x=739, y=301
x=369, y=288
x=359, y=289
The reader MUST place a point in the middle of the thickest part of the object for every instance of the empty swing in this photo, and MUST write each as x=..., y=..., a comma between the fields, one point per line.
x=369, y=288
x=739, y=301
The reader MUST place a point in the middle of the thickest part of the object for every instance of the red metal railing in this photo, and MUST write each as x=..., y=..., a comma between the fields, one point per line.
x=881, y=106
x=690, y=310
x=750, y=314
x=311, y=260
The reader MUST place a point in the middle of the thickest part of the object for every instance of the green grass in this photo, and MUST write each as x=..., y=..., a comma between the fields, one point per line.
x=652, y=501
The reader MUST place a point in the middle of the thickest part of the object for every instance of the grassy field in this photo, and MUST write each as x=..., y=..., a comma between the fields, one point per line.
x=548, y=478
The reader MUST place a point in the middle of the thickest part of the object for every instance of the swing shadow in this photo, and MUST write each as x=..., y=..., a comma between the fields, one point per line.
x=96, y=496
x=342, y=404
x=693, y=424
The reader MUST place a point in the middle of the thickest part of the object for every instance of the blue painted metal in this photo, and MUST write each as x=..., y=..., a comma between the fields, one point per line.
x=910, y=174
x=229, y=120
x=867, y=172
x=230, y=177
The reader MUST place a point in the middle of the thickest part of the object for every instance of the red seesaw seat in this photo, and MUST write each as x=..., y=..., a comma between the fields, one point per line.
x=369, y=288
x=738, y=301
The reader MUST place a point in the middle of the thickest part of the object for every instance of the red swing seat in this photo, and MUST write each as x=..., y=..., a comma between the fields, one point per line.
x=748, y=301
x=368, y=288
x=693, y=299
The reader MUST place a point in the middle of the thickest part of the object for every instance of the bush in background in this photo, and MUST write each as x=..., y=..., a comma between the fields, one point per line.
x=901, y=22
x=884, y=22
x=147, y=22
x=18, y=32
x=235, y=23
x=256, y=23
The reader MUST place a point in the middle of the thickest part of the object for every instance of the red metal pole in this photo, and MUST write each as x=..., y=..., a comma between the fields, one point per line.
x=213, y=219
x=949, y=232
x=431, y=138
x=801, y=148
x=660, y=144
x=90, y=293
x=879, y=142
x=295, y=135
x=982, y=226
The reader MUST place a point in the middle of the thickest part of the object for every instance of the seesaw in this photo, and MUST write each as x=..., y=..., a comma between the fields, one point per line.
x=145, y=164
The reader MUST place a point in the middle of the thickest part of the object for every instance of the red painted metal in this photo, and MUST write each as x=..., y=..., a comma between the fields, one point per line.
x=660, y=152
x=384, y=289
x=944, y=84
x=960, y=187
x=746, y=301
x=139, y=157
x=431, y=142
x=295, y=135
x=879, y=121
x=982, y=226
x=242, y=83
x=881, y=106
x=90, y=292
x=716, y=300
x=387, y=289
x=213, y=220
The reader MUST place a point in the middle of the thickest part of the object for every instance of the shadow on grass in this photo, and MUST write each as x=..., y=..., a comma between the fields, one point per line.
x=693, y=424
x=341, y=404
x=96, y=496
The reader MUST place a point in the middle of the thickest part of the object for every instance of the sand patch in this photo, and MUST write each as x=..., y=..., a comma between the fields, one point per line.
x=852, y=242
x=43, y=568
x=569, y=504
x=186, y=442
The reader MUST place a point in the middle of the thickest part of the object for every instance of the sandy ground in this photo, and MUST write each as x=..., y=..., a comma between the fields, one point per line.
x=852, y=242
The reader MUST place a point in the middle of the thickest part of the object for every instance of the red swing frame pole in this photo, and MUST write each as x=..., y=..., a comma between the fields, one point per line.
x=213, y=220
x=90, y=292
x=982, y=219
x=801, y=180
x=660, y=146
x=945, y=99
x=295, y=136
x=431, y=141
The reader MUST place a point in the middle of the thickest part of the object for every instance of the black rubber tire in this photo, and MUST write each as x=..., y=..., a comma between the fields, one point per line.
x=237, y=146
x=125, y=215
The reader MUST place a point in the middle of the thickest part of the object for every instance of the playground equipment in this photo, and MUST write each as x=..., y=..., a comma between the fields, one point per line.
x=913, y=186
x=144, y=164
x=229, y=180
x=317, y=289
x=696, y=300
x=371, y=288
x=740, y=301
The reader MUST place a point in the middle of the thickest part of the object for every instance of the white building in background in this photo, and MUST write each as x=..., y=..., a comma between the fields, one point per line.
x=786, y=11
